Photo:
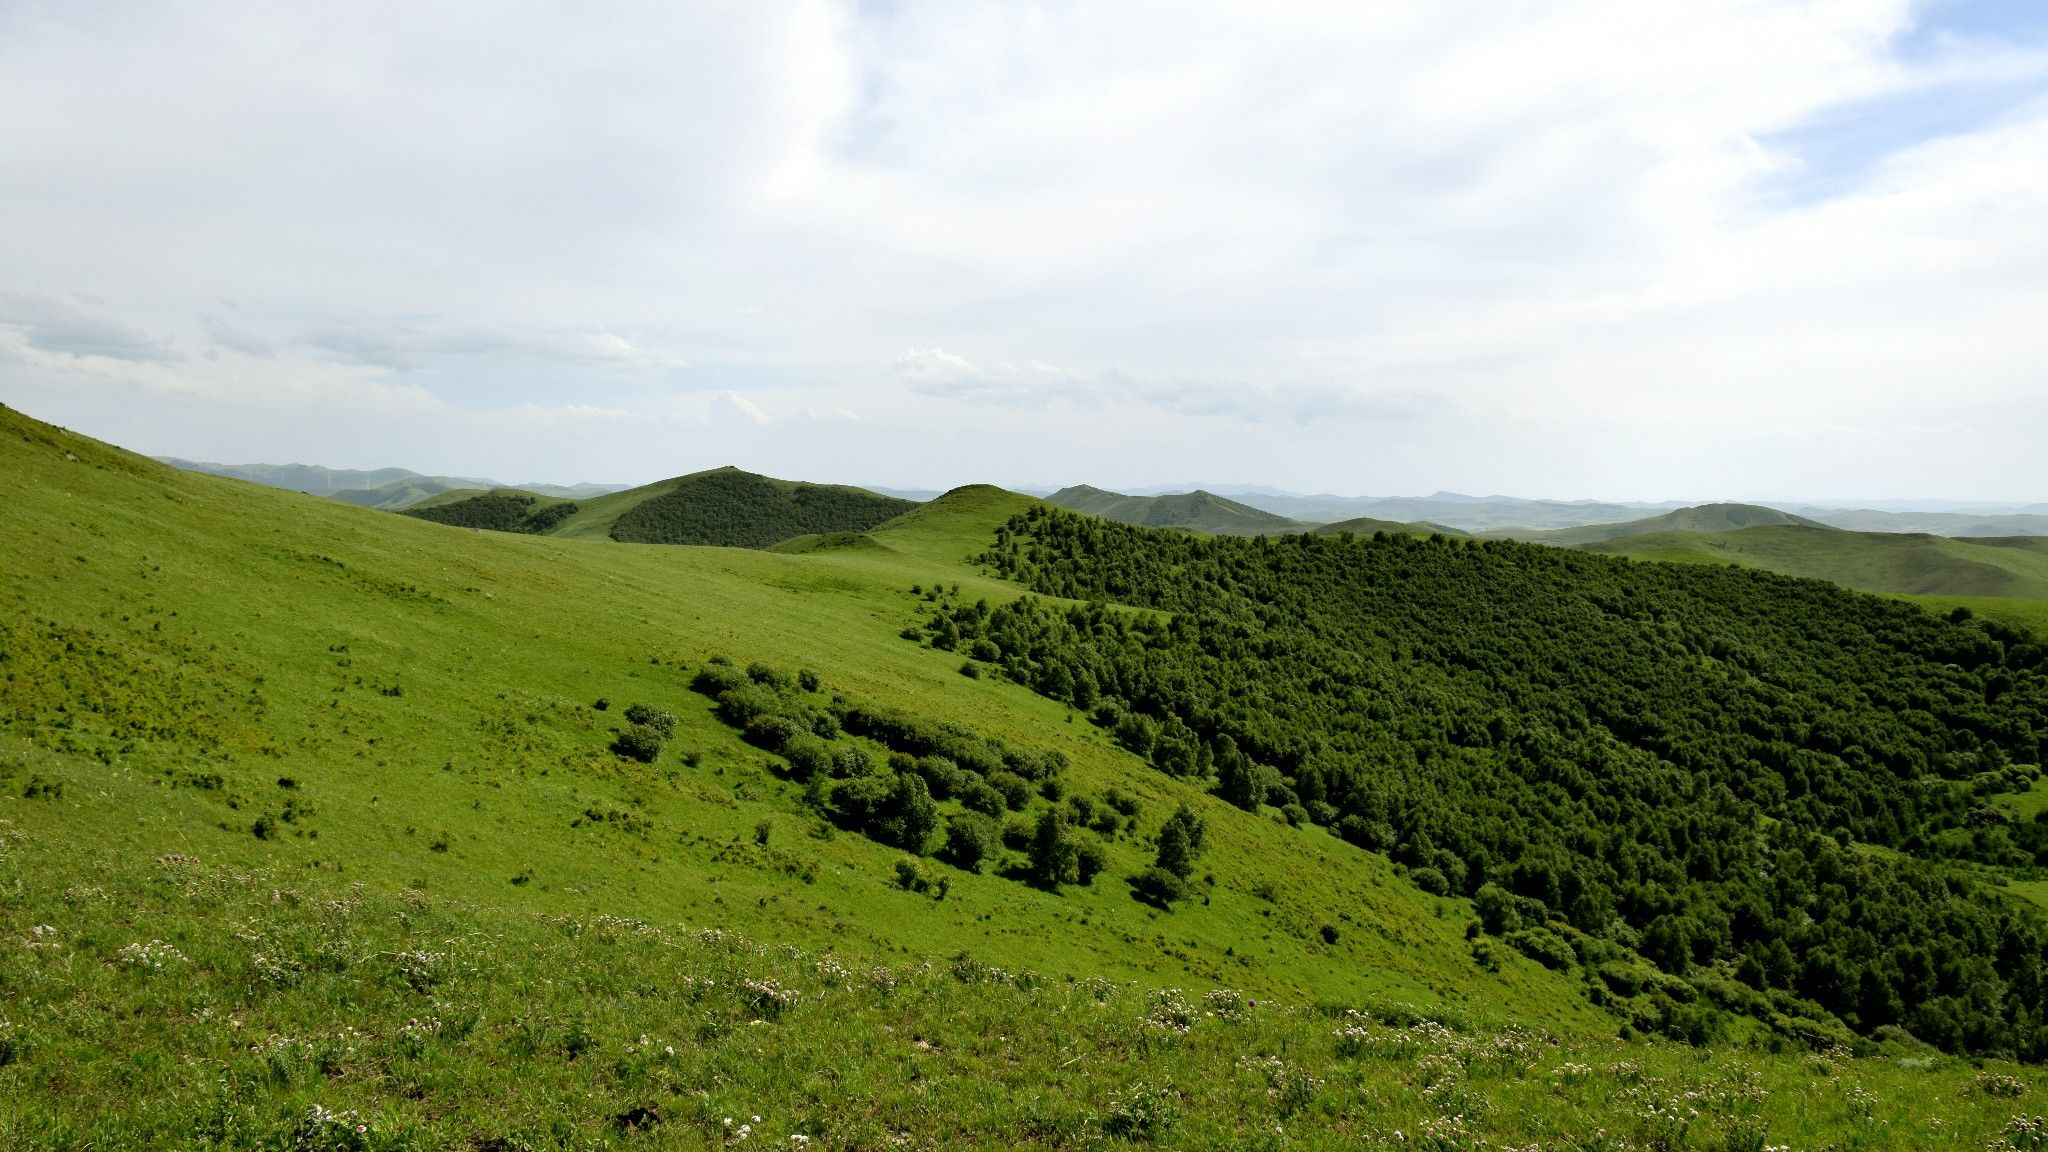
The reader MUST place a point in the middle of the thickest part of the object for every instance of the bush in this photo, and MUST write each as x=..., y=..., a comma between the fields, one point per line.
x=940, y=775
x=638, y=742
x=971, y=670
x=972, y=839
x=659, y=719
x=739, y=705
x=808, y=756
x=917, y=876
x=1015, y=789
x=910, y=817
x=1158, y=887
x=1090, y=859
x=977, y=796
x=773, y=732
x=769, y=676
x=716, y=679
x=852, y=760
x=1430, y=880
x=808, y=680
x=1543, y=946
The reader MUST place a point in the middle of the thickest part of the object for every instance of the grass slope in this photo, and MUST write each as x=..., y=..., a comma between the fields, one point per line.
x=1196, y=511
x=1871, y=561
x=1366, y=526
x=437, y=945
x=1706, y=518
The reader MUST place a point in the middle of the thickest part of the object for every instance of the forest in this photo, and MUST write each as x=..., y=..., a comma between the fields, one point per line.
x=736, y=509
x=498, y=512
x=1777, y=792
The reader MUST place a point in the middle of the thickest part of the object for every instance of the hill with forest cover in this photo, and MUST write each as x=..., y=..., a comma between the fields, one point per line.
x=326, y=828
x=1694, y=763
x=1196, y=511
x=500, y=510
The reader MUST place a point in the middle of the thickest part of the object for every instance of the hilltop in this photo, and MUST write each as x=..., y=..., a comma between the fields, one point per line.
x=722, y=506
x=1196, y=511
x=1704, y=518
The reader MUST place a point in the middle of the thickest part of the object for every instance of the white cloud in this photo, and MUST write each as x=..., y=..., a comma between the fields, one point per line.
x=1589, y=246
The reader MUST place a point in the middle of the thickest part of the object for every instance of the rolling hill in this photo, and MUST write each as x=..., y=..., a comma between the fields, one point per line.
x=1195, y=511
x=1705, y=518
x=1895, y=563
x=317, y=833
x=723, y=507
x=1367, y=525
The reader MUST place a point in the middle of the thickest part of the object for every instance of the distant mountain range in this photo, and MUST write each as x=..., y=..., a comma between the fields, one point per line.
x=390, y=488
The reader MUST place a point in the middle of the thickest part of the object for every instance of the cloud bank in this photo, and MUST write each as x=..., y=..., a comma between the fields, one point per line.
x=1574, y=248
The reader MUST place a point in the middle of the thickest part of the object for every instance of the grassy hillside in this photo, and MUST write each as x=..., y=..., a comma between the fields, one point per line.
x=1871, y=561
x=1706, y=518
x=314, y=837
x=1366, y=526
x=403, y=493
x=1196, y=511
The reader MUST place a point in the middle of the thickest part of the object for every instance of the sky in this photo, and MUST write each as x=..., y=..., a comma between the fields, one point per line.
x=1568, y=249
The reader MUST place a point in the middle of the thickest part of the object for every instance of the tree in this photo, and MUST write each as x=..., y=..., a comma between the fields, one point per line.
x=1180, y=841
x=1055, y=854
x=971, y=839
x=1238, y=780
x=910, y=816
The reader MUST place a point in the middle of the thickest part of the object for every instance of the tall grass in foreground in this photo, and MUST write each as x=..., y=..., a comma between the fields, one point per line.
x=187, y=1005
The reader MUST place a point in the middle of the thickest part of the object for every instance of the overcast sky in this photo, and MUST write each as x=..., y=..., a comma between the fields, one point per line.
x=1582, y=248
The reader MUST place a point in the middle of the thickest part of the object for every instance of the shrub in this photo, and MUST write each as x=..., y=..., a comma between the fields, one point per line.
x=1543, y=946
x=808, y=680
x=716, y=679
x=909, y=816
x=1090, y=858
x=1122, y=801
x=638, y=742
x=769, y=676
x=808, y=756
x=852, y=760
x=659, y=719
x=739, y=705
x=918, y=876
x=971, y=670
x=773, y=732
x=1430, y=880
x=1015, y=789
x=941, y=776
x=977, y=796
x=971, y=840
x=1158, y=887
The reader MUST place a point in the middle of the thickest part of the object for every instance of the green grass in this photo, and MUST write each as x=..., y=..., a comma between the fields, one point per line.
x=177, y=647
x=1708, y=519
x=1870, y=561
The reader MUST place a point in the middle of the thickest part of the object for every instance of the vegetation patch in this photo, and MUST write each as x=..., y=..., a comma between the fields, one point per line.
x=739, y=509
x=1685, y=762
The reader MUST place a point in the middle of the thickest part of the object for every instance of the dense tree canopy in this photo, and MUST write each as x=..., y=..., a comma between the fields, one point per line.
x=739, y=509
x=499, y=512
x=1765, y=785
